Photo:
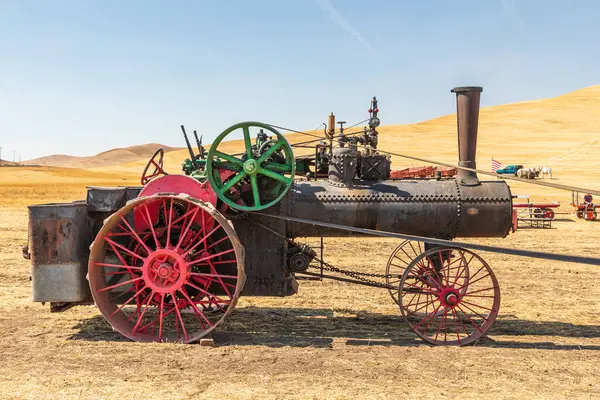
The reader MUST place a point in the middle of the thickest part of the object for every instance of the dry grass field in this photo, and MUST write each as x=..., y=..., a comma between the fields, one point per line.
x=333, y=340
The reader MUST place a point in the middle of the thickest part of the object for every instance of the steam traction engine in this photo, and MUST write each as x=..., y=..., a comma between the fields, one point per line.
x=168, y=261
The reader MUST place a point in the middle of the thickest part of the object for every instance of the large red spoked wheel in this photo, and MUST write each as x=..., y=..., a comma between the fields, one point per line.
x=400, y=259
x=166, y=268
x=155, y=161
x=449, y=296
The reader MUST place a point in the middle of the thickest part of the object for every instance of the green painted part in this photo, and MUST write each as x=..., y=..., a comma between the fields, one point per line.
x=187, y=167
x=251, y=167
x=259, y=173
x=302, y=166
x=199, y=174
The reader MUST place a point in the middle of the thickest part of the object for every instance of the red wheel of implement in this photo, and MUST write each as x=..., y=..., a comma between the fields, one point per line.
x=173, y=277
x=548, y=213
x=157, y=162
x=400, y=259
x=449, y=296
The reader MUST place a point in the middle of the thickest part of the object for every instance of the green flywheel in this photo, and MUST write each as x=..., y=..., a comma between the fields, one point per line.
x=257, y=178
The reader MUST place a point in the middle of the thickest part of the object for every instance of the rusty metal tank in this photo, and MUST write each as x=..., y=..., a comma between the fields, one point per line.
x=446, y=209
x=59, y=238
x=441, y=209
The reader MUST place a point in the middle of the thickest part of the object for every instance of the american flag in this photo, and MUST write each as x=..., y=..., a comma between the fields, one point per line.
x=496, y=165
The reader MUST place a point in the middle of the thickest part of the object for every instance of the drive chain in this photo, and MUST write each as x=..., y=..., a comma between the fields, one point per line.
x=360, y=276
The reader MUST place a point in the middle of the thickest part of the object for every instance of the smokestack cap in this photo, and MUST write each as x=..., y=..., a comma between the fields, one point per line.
x=462, y=89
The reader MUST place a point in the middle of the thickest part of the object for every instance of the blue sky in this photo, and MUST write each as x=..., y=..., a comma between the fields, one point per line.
x=80, y=77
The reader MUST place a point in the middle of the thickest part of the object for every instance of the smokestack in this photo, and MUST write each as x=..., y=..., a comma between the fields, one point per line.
x=467, y=120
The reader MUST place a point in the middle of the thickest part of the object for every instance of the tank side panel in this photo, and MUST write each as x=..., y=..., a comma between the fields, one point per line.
x=486, y=210
x=265, y=262
x=60, y=235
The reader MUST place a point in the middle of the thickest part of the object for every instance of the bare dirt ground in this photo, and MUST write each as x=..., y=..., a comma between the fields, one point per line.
x=332, y=340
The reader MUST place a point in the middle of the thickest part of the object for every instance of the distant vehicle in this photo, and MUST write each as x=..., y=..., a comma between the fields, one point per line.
x=510, y=169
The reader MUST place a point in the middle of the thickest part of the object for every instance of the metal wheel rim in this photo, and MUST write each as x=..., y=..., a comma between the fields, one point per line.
x=220, y=188
x=421, y=328
x=408, y=249
x=190, y=293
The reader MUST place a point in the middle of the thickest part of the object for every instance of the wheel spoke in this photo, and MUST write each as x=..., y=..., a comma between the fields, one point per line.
x=270, y=151
x=185, y=335
x=228, y=157
x=274, y=175
x=169, y=224
x=117, y=266
x=183, y=233
x=115, y=245
x=134, y=297
x=277, y=167
x=210, y=257
x=145, y=305
x=161, y=316
x=149, y=223
x=247, y=141
x=134, y=233
x=196, y=310
x=216, y=228
x=119, y=284
x=232, y=182
x=255, y=191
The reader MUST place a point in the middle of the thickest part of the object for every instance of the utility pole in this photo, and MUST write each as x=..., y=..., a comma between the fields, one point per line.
x=14, y=156
x=0, y=155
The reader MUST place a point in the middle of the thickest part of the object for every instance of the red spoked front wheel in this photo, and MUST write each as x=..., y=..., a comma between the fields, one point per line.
x=449, y=296
x=166, y=268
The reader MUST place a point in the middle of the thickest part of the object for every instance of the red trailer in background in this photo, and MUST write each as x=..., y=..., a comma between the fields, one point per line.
x=423, y=172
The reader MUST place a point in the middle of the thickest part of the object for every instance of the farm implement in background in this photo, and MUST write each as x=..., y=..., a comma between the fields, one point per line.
x=532, y=214
x=584, y=209
x=167, y=261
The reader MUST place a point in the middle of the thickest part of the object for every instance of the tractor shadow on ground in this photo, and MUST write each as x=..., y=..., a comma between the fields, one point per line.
x=304, y=327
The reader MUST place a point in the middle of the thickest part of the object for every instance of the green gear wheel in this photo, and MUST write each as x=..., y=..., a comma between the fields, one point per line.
x=268, y=179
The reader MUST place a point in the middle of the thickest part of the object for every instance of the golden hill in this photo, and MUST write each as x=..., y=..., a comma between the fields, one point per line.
x=562, y=133
x=106, y=158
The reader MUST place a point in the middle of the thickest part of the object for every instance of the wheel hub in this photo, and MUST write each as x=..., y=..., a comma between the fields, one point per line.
x=251, y=167
x=165, y=271
x=449, y=297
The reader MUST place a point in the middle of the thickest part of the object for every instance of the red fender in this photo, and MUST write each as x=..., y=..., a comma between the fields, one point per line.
x=173, y=184
x=177, y=184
